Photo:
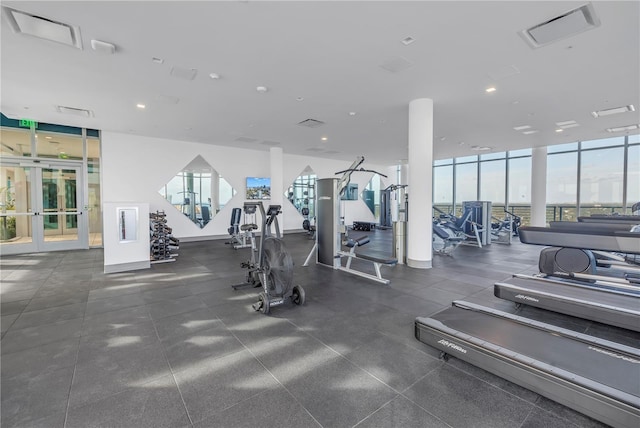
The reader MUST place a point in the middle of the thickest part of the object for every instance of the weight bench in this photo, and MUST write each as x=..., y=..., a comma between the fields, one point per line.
x=377, y=261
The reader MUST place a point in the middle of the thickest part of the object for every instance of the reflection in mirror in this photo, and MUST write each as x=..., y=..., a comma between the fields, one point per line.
x=198, y=192
x=371, y=195
x=302, y=193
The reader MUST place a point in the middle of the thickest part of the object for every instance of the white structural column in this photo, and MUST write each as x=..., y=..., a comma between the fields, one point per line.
x=539, y=186
x=277, y=179
x=419, y=234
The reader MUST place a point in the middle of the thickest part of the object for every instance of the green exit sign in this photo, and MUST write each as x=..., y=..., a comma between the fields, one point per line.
x=27, y=123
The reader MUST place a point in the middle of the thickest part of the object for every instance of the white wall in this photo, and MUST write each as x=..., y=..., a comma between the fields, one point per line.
x=135, y=168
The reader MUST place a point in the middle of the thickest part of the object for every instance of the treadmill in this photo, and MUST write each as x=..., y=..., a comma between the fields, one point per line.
x=614, y=305
x=593, y=376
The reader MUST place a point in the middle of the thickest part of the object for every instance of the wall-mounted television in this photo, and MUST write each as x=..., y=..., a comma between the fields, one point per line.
x=258, y=188
x=350, y=192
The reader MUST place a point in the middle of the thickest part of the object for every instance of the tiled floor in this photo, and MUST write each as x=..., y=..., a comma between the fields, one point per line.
x=175, y=346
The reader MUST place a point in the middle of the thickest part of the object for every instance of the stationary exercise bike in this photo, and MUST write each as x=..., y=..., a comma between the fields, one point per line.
x=273, y=269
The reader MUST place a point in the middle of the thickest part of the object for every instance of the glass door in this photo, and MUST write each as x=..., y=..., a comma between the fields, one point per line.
x=40, y=207
x=60, y=218
x=16, y=209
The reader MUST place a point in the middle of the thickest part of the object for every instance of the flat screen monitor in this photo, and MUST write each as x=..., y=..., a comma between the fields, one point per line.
x=258, y=188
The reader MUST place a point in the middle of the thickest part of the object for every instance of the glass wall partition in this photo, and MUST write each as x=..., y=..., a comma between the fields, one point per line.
x=44, y=172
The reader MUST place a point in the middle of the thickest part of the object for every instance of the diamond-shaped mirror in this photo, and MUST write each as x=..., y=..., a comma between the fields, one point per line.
x=198, y=192
x=371, y=195
x=302, y=194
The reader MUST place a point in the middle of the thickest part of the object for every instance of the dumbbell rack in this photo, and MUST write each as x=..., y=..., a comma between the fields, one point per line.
x=162, y=242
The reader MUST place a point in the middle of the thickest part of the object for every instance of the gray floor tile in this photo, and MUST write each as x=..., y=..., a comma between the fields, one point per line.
x=539, y=418
x=568, y=414
x=463, y=401
x=400, y=412
x=271, y=409
x=49, y=316
x=56, y=300
x=337, y=393
x=14, y=296
x=115, y=320
x=109, y=290
x=167, y=308
x=15, y=307
x=96, y=307
x=192, y=349
x=117, y=360
x=6, y=321
x=392, y=362
x=177, y=326
x=169, y=293
x=156, y=404
x=36, y=398
x=26, y=338
x=218, y=384
x=41, y=360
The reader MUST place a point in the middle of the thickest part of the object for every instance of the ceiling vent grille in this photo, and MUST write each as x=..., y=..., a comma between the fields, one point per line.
x=311, y=123
x=183, y=73
x=568, y=24
x=74, y=111
x=43, y=28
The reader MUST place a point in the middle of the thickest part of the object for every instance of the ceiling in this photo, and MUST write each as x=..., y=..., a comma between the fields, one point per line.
x=341, y=63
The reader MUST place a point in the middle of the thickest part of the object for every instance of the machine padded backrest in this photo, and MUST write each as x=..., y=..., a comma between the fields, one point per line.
x=440, y=232
x=236, y=213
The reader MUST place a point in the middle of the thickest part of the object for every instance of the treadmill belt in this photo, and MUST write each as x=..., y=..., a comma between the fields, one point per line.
x=549, y=347
x=596, y=377
x=616, y=308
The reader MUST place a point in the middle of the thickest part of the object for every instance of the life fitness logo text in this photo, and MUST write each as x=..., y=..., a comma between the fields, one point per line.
x=452, y=346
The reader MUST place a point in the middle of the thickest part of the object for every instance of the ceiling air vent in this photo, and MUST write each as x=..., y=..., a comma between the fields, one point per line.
x=568, y=24
x=43, y=28
x=75, y=111
x=311, y=123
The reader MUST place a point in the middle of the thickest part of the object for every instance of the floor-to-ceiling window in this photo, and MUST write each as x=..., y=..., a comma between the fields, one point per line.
x=583, y=178
x=562, y=182
x=493, y=174
x=602, y=176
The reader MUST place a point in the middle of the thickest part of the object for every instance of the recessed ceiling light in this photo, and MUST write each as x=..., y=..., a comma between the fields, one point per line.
x=141, y=106
x=623, y=128
x=324, y=138
x=262, y=89
x=157, y=60
x=408, y=40
x=352, y=113
x=610, y=111
x=490, y=89
x=461, y=143
x=521, y=128
x=533, y=131
x=559, y=130
x=214, y=76
x=480, y=148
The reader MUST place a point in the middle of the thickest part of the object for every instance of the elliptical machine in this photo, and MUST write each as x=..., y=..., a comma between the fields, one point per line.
x=273, y=269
